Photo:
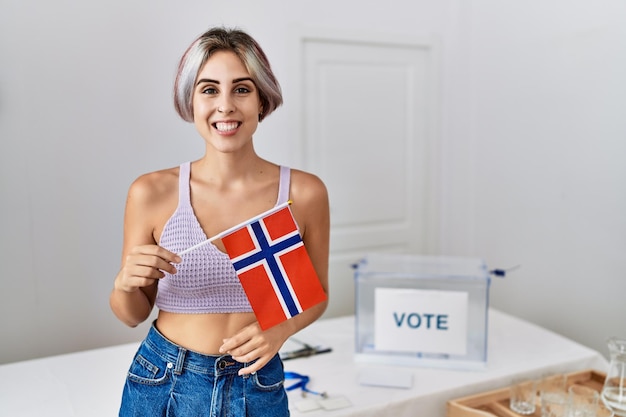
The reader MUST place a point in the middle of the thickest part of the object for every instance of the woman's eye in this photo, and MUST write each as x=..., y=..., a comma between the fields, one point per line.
x=242, y=90
x=209, y=90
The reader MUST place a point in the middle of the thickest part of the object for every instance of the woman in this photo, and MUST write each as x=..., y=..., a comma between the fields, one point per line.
x=206, y=353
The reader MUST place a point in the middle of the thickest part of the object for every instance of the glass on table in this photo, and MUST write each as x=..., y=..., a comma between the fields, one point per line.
x=523, y=393
x=583, y=401
x=614, y=390
x=554, y=396
x=554, y=404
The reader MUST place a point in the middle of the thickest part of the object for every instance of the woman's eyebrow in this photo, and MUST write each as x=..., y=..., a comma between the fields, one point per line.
x=236, y=80
x=207, y=80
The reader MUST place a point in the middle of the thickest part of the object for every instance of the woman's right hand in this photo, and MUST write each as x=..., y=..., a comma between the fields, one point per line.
x=143, y=266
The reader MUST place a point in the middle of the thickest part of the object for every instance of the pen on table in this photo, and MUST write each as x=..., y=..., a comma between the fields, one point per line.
x=303, y=353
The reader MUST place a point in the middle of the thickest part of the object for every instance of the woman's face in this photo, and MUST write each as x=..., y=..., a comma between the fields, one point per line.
x=226, y=103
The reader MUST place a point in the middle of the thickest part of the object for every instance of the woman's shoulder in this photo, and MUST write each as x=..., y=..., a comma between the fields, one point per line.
x=310, y=204
x=152, y=187
x=306, y=185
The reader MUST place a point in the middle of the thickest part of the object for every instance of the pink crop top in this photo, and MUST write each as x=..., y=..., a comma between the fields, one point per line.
x=206, y=281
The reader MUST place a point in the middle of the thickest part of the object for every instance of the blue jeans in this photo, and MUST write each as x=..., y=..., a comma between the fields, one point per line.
x=168, y=380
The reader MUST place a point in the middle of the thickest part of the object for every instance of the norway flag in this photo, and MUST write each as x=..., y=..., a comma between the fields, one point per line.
x=274, y=267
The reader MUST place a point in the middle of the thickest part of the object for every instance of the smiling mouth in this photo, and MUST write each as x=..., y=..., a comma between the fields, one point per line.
x=226, y=126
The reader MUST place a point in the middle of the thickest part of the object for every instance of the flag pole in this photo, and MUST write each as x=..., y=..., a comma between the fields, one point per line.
x=232, y=229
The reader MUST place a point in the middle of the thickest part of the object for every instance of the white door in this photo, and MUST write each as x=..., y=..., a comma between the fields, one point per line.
x=368, y=127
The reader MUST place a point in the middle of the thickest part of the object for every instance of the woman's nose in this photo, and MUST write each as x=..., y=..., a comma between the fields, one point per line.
x=225, y=106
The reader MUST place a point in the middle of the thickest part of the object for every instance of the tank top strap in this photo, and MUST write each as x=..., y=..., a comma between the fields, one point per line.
x=283, y=185
x=184, y=176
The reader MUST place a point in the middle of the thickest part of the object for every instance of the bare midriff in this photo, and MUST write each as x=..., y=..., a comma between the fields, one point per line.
x=202, y=333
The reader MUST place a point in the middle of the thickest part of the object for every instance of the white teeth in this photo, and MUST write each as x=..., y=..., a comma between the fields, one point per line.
x=225, y=127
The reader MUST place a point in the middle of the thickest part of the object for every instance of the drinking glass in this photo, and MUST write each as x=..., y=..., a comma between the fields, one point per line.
x=522, y=397
x=554, y=396
x=614, y=390
x=583, y=401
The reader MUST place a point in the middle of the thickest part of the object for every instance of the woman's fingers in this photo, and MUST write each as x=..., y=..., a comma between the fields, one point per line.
x=145, y=264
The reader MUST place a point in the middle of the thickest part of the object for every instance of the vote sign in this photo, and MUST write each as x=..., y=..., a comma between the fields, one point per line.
x=427, y=321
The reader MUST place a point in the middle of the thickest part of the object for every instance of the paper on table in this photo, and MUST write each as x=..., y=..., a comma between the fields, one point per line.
x=334, y=403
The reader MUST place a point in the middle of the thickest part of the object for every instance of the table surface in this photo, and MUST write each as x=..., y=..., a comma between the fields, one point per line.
x=89, y=383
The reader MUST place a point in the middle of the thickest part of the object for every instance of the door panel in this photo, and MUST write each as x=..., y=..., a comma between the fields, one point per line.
x=367, y=119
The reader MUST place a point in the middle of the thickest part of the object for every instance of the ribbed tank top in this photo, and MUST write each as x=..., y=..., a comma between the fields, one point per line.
x=205, y=281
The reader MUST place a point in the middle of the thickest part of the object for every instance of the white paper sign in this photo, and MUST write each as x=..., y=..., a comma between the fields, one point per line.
x=427, y=321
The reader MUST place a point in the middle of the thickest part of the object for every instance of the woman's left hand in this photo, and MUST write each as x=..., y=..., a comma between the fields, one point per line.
x=252, y=343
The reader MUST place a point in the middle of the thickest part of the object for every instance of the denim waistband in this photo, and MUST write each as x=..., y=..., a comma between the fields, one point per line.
x=180, y=358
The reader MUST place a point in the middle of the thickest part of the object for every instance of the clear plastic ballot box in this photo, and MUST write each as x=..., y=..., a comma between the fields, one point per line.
x=421, y=311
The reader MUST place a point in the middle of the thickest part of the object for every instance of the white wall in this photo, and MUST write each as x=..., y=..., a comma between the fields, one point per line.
x=548, y=134
x=531, y=131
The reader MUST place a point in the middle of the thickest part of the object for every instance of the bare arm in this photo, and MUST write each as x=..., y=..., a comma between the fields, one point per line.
x=143, y=262
x=311, y=210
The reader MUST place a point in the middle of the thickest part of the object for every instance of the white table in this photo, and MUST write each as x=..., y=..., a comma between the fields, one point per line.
x=89, y=383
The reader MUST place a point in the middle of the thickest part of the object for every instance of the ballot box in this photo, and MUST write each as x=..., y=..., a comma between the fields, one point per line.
x=419, y=310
